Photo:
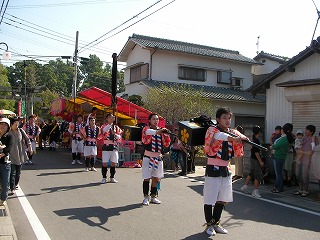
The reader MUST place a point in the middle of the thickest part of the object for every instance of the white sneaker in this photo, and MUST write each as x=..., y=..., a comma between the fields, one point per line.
x=155, y=200
x=93, y=169
x=256, y=193
x=79, y=162
x=219, y=229
x=145, y=201
x=112, y=180
x=86, y=169
x=244, y=189
x=210, y=231
x=73, y=162
x=2, y=203
x=103, y=181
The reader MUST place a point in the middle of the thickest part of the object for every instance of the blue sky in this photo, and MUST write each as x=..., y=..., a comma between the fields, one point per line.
x=285, y=27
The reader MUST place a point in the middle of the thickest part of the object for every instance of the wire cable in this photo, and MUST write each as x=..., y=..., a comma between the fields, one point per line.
x=119, y=25
x=4, y=11
x=134, y=23
x=47, y=5
x=66, y=37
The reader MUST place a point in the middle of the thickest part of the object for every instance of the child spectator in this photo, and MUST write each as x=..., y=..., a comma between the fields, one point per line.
x=276, y=134
x=298, y=145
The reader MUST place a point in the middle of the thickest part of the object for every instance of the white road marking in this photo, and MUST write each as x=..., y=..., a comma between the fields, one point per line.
x=280, y=204
x=36, y=225
x=261, y=199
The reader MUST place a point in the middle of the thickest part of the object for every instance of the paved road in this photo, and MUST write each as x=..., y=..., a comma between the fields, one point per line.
x=62, y=201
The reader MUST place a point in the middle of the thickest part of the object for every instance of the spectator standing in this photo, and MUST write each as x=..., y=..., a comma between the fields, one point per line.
x=178, y=153
x=77, y=140
x=238, y=161
x=288, y=164
x=191, y=155
x=54, y=136
x=18, y=154
x=280, y=148
x=42, y=136
x=315, y=161
x=22, y=121
x=33, y=131
x=256, y=165
x=302, y=169
x=6, y=143
x=276, y=134
x=298, y=145
x=93, y=114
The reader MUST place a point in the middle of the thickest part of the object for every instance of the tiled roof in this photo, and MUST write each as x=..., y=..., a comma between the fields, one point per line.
x=272, y=57
x=184, y=47
x=261, y=86
x=218, y=93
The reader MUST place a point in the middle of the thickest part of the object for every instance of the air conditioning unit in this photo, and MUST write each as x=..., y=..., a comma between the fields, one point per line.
x=236, y=83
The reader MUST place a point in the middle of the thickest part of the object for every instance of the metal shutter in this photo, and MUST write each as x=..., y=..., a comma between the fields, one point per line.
x=305, y=113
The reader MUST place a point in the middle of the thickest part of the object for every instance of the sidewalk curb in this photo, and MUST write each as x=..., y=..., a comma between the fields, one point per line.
x=7, y=230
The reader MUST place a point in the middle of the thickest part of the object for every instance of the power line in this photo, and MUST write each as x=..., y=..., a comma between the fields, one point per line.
x=14, y=52
x=42, y=35
x=134, y=23
x=119, y=25
x=2, y=6
x=4, y=10
x=21, y=21
x=48, y=5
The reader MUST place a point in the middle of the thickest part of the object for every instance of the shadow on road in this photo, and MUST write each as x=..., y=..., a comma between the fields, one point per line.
x=59, y=173
x=72, y=187
x=88, y=215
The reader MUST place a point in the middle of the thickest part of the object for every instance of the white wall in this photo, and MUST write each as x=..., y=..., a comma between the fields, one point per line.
x=138, y=54
x=165, y=68
x=267, y=67
x=278, y=108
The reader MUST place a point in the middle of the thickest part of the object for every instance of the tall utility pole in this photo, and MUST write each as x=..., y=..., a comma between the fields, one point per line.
x=75, y=72
x=25, y=88
x=114, y=82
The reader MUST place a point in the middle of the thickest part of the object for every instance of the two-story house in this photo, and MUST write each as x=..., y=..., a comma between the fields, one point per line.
x=269, y=62
x=293, y=91
x=223, y=75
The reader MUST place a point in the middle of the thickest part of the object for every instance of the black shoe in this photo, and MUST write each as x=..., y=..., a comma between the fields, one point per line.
x=182, y=173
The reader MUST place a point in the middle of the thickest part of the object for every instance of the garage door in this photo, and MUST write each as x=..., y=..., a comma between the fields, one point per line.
x=305, y=113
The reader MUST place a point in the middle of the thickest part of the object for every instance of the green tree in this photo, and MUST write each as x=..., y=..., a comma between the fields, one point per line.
x=43, y=108
x=92, y=72
x=178, y=102
x=5, y=103
x=136, y=99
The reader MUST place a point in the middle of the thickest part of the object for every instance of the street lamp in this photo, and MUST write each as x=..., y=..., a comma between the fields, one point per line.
x=6, y=55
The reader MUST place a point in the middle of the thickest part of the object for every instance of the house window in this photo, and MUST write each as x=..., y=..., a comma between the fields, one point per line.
x=195, y=74
x=139, y=73
x=224, y=77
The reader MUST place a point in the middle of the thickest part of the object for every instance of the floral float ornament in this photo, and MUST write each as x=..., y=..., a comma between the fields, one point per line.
x=184, y=135
x=127, y=134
